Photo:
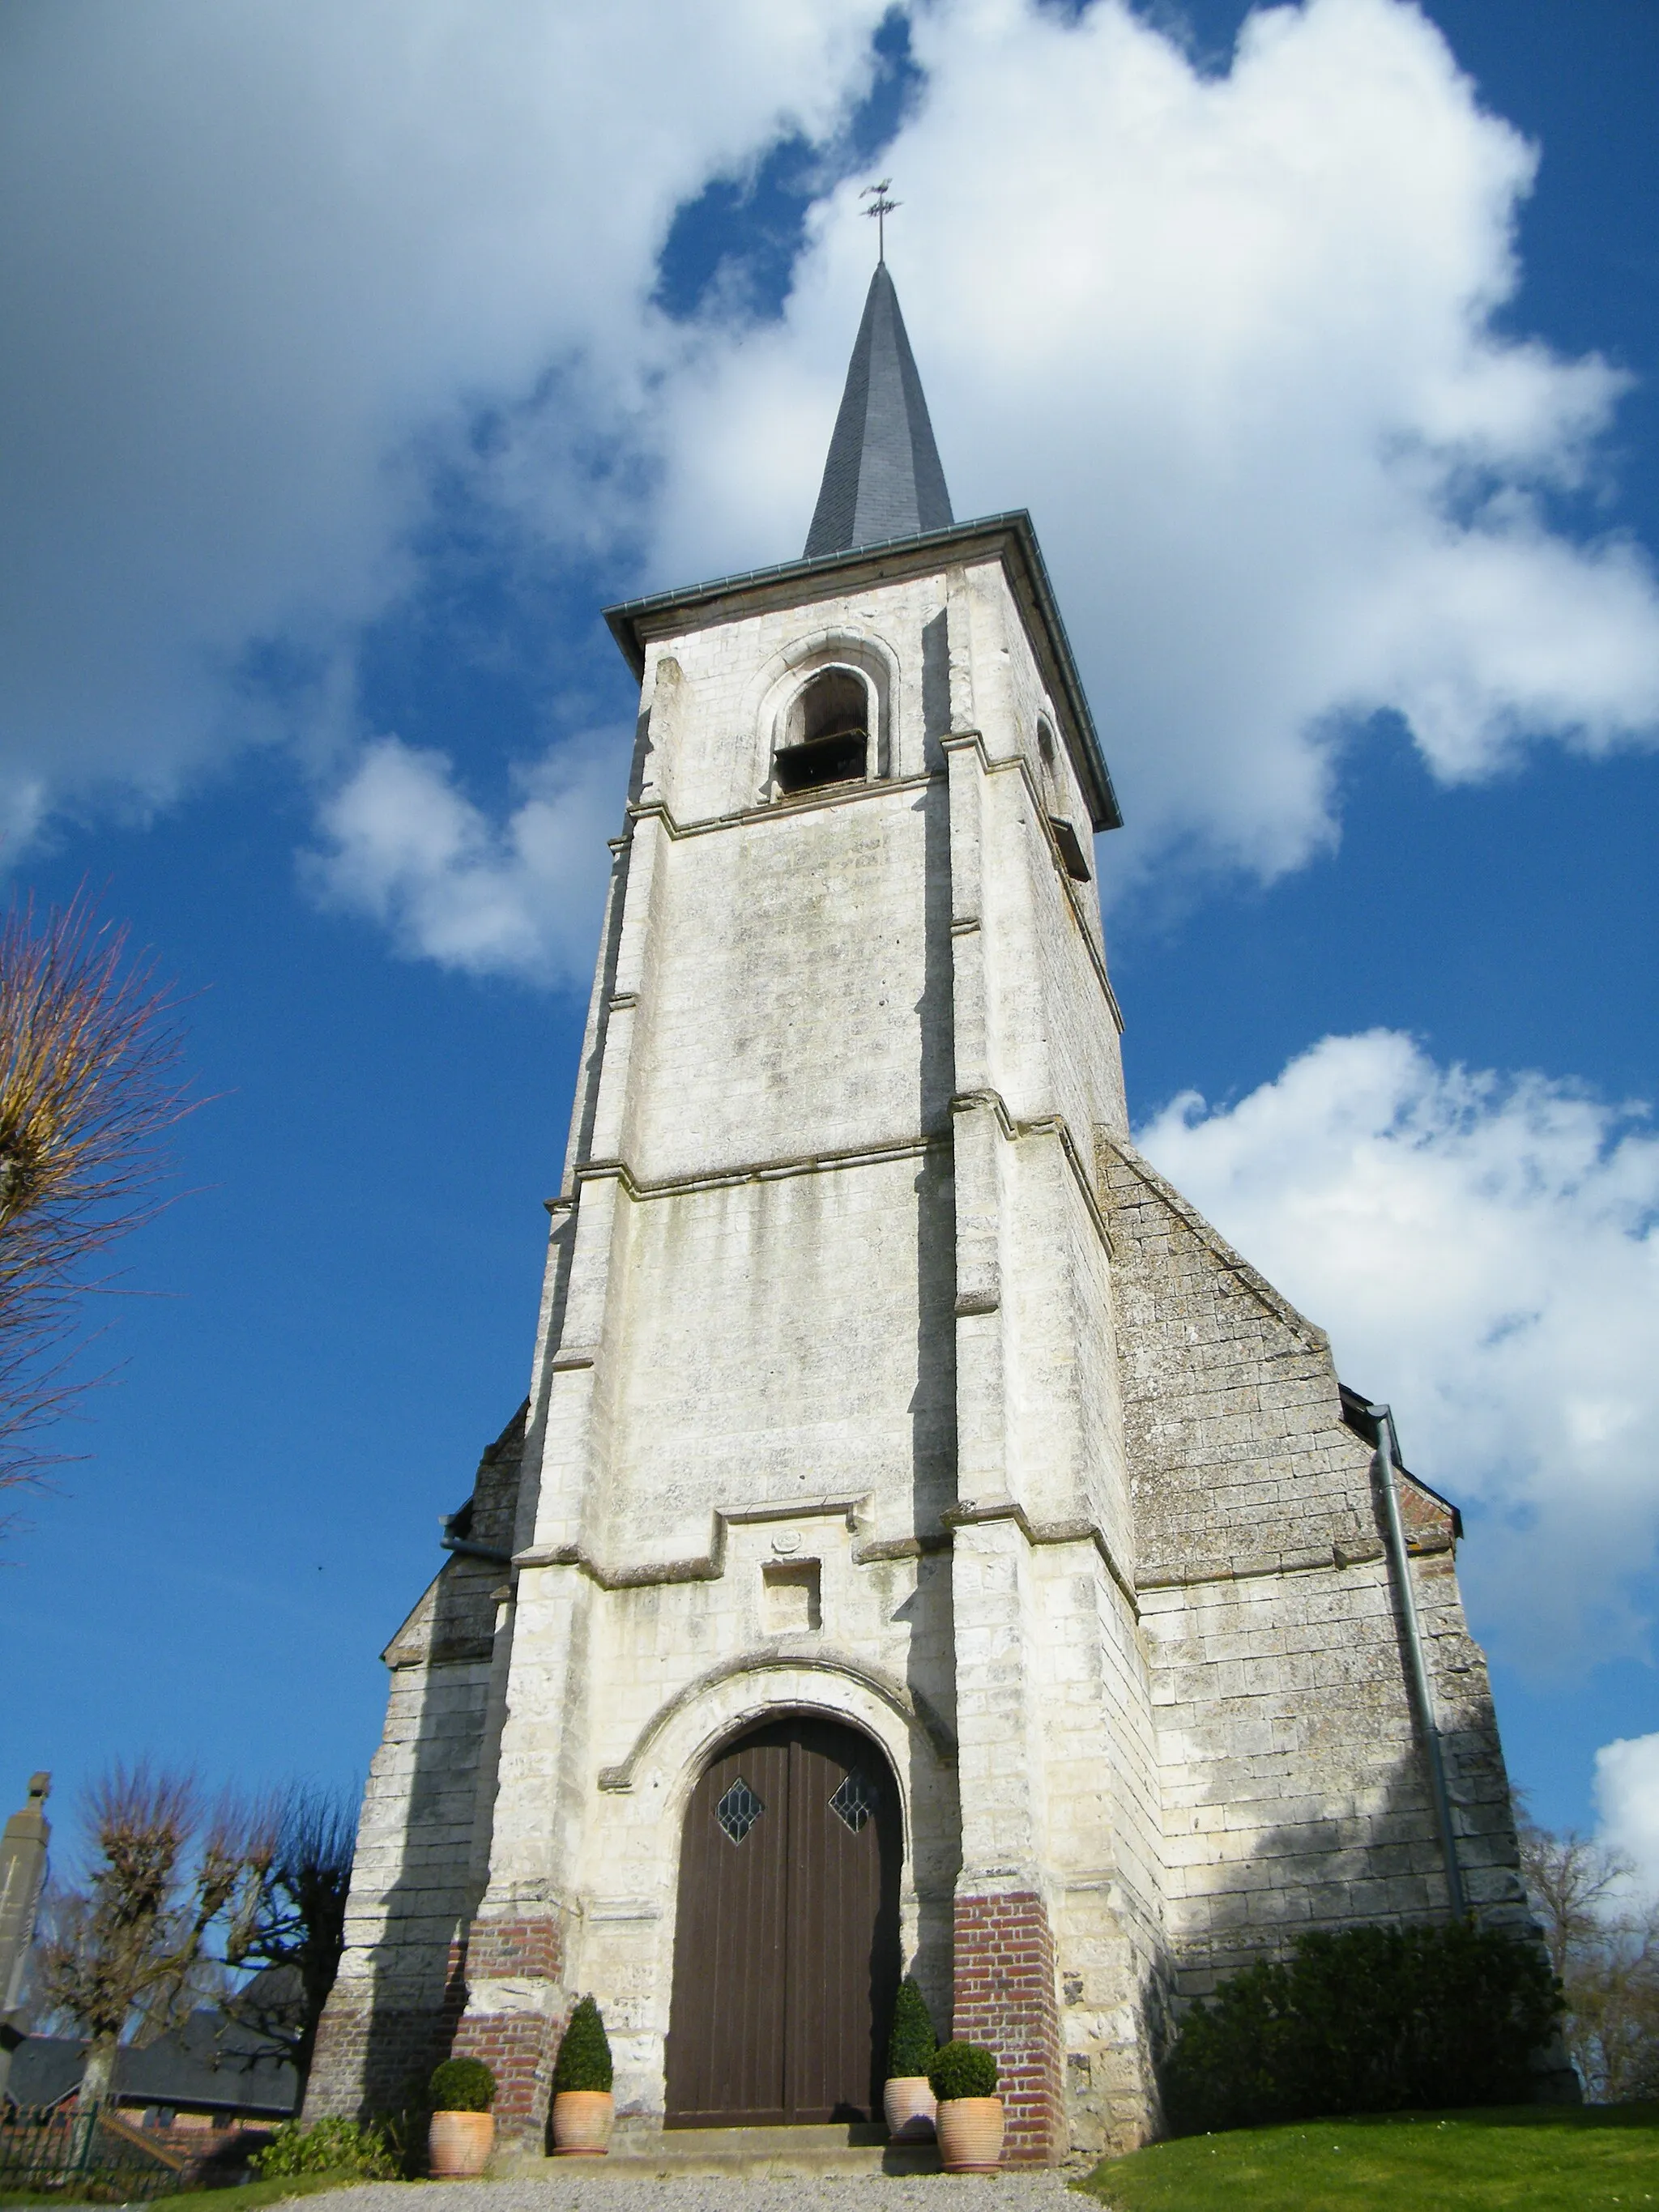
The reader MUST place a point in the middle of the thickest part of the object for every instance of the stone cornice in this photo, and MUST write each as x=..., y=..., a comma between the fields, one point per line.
x=1048, y=1125
x=975, y=1512
x=772, y=1170
x=1007, y=539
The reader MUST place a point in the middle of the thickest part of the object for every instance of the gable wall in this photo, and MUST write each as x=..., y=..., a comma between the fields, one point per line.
x=1294, y=1781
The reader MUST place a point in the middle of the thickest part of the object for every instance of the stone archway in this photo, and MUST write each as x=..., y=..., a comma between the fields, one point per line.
x=786, y=1951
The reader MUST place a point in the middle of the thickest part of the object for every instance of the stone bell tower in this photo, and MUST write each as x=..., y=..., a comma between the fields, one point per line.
x=899, y=1449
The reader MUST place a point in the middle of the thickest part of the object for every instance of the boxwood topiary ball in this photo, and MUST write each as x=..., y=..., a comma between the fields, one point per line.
x=963, y=2069
x=462, y=2085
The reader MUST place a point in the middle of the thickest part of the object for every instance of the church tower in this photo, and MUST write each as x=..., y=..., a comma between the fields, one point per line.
x=926, y=1547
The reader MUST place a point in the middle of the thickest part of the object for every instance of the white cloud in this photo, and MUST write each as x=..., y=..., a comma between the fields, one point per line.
x=1232, y=339
x=404, y=846
x=1229, y=337
x=1627, y=1804
x=255, y=256
x=1485, y=1252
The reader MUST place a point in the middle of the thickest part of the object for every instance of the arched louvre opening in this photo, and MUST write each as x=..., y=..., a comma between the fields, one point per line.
x=829, y=733
x=786, y=1951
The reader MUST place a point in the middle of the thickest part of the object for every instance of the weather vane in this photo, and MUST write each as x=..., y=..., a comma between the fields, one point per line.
x=881, y=207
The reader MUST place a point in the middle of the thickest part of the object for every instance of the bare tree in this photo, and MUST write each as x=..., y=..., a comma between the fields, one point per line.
x=1571, y=1881
x=1613, y=2010
x=89, y=1050
x=296, y=1929
x=1604, y=1948
x=124, y=1951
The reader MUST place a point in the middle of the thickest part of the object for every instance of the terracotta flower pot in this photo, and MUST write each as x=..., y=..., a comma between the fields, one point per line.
x=970, y=2134
x=910, y=2105
x=582, y=2120
x=458, y=2144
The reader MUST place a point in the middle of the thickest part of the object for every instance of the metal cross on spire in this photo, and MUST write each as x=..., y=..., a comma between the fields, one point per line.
x=881, y=207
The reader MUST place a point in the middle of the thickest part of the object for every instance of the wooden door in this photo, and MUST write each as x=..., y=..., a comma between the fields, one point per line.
x=786, y=1947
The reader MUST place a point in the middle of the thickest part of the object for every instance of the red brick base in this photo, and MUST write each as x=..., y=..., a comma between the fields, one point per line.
x=374, y=2057
x=1004, y=2000
x=518, y=2047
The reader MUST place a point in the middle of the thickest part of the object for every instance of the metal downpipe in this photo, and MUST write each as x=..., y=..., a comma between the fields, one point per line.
x=1399, y=1558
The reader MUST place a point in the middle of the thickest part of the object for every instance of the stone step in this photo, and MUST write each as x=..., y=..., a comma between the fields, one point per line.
x=756, y=2153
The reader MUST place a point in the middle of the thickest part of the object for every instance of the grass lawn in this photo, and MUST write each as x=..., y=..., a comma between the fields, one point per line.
x=1544, y=2158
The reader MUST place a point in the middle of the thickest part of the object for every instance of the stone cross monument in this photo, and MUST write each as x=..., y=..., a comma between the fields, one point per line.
x=927, y=1547
x=23, y=1877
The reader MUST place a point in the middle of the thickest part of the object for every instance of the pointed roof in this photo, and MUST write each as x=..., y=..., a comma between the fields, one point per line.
x=882, y=479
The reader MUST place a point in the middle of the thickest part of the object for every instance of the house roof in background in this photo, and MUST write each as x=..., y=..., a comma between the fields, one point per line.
x=210, y=2062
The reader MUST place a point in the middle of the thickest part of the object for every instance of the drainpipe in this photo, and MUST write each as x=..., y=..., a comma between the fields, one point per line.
x=465, y=1548
x=1388, y=1446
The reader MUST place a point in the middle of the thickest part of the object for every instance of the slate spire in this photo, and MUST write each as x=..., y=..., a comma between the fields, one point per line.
x=883, y=477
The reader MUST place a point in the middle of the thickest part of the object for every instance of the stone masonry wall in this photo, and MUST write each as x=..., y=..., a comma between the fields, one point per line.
x=424, y=1835
x=1295, y=1777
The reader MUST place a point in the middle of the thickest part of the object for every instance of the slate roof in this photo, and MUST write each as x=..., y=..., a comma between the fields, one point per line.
x=210, y=2064
x=882, y=479
x=1357, y=1415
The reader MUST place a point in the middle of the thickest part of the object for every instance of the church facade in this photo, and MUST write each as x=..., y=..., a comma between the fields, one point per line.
x=926, y=1547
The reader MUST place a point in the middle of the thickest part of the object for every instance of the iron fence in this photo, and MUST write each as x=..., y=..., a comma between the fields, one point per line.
x=48, y=2153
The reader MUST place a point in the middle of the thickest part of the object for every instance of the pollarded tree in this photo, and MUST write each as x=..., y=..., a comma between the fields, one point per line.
x=125, y=1949
x=89, y=1050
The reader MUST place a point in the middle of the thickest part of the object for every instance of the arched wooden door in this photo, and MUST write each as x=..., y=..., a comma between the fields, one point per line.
x=786, y=1945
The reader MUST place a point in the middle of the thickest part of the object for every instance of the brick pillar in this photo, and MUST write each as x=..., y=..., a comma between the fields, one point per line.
x=519, y=2040
x=373, y=2054
x=1004, y=2000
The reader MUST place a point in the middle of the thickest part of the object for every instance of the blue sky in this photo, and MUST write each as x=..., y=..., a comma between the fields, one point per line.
x=370, y=353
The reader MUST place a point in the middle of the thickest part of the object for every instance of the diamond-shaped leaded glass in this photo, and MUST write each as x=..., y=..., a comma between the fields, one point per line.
x=739, y=1810
x=855, y=1801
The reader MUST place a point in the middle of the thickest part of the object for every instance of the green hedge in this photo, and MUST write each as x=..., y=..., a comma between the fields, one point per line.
x=329, y=2146
x=911, y=2046
x=584, y=2060
x=1376, y=2019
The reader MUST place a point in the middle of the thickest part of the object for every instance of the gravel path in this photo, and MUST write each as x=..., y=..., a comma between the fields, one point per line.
x=610, y=2191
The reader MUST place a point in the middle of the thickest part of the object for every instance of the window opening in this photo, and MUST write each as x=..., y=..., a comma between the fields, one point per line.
x=1071, y=848
x=833, y=745
x=739, y=1810
x=855, y=1801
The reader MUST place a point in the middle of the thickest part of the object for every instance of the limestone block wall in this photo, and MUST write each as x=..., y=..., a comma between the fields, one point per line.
x=423, y=1836
x=798, y=999
x=687, y=1663
x=779, y=1338
x=1477, y=1779
x=1105, y=1872
x=1295, y=1785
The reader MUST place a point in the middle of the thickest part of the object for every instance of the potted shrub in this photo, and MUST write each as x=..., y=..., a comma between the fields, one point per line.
x=462, y=2130
x=908, y=2098
x=964, y=2079
x=583, y=2109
